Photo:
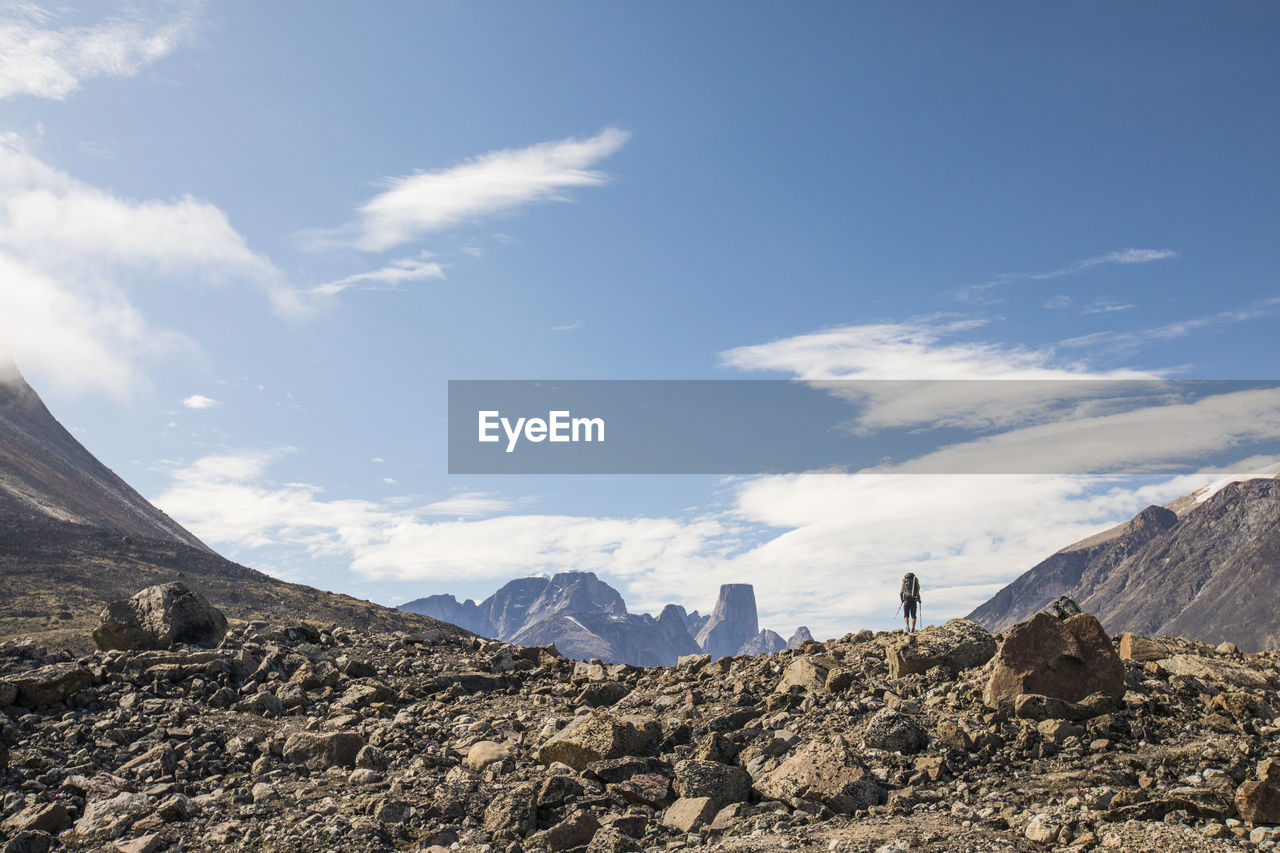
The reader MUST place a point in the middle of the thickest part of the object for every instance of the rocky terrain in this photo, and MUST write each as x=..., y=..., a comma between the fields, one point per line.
x=300, y=737
x=1203, y=567
x=586, y=618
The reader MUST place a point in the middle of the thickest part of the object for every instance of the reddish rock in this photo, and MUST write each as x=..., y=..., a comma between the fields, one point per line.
x=1259, y=803
x=1068, y=660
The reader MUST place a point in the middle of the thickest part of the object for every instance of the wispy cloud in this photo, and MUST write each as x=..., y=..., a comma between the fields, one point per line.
x=199, y=401
x=1104, y=306
x=1122, y=342
x=568, y=327
x=301, y=302
x=984, y=291
x=425, y=202
x=39, y=58
x=923, y=348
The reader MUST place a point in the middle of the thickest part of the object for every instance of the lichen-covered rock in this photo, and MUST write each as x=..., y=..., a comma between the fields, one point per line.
x=896, y=732
x=956, y=645
x=722, y=783
x=824, y=773
x=597, y=737
x=512, y=813
x=159, y=616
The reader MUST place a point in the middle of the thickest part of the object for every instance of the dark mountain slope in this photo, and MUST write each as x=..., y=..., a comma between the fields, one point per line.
x=1211, y=573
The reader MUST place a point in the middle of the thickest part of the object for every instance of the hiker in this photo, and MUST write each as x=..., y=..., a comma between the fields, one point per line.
x=909, y=595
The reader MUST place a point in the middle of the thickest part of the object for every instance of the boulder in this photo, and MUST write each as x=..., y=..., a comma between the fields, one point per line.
x=56, y=682
x=688, y=814
x=113, y=815
x=808, y=672
x=320, y=751
x=1216, y=671
x=512, y=813
x=721, y=783
x=610, y=840
x=957, y=645
x=1258, y=802
x=821, y=772
x=1140, y=649
x=159, y=616
x=574, y=831
x=894, y=732
x=485, y=752
x=1063, y=659
x=599, y=736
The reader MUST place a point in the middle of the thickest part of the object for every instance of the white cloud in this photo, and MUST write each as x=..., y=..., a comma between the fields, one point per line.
x=984, y=291
x=469, y=504
x=226, y=499
x=38, y=58
x=1130, y=256
x=425, y=202
x=1103, y=306
x=71, y=255
x=293, y=302
x=199, y=401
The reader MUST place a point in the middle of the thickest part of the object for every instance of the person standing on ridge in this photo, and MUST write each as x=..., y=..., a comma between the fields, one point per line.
x=909, y=595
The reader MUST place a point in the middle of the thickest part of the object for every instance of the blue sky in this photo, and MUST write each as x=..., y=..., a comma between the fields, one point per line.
x=303, y=219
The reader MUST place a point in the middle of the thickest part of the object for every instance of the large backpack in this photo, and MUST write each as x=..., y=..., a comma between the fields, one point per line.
x=910, y=587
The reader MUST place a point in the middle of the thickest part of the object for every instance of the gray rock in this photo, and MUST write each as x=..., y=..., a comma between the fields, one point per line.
x=319, y=751
x=48, y=684
x=895, y=732
x=721, y=783
x=159, y=616
x=956, y=645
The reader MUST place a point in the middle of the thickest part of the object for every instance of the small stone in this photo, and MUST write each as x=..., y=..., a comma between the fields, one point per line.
x=484, y=753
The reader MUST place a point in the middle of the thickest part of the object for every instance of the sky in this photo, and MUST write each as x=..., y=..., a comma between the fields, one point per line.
x=245, y=246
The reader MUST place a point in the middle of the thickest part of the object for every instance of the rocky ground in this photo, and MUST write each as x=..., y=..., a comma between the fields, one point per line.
x=307, y=738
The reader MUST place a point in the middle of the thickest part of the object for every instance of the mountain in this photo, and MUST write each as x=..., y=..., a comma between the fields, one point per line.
x=46, y=474
x=1203, y=566
x=586, y=618
x=74, y=537
x=733, y=621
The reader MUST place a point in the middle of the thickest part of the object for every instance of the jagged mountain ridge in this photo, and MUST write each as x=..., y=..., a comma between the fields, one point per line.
x=586, y=618
x=1207, y=571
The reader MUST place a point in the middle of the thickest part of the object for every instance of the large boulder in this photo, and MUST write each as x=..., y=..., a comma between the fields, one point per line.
x=1217, y=671
x=322, y=750
x=48, y=684
x=599, y=736
x=821, y=772
x=159, y=616
x=808, y=672
x=723, y=783
x=957, y=645
x=894, y=732
x=1063, y=659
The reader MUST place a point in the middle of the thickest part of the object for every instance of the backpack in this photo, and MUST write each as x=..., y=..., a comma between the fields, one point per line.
x=910, y=588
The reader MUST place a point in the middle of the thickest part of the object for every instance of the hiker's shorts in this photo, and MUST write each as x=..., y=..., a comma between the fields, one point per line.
x=909, y=609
